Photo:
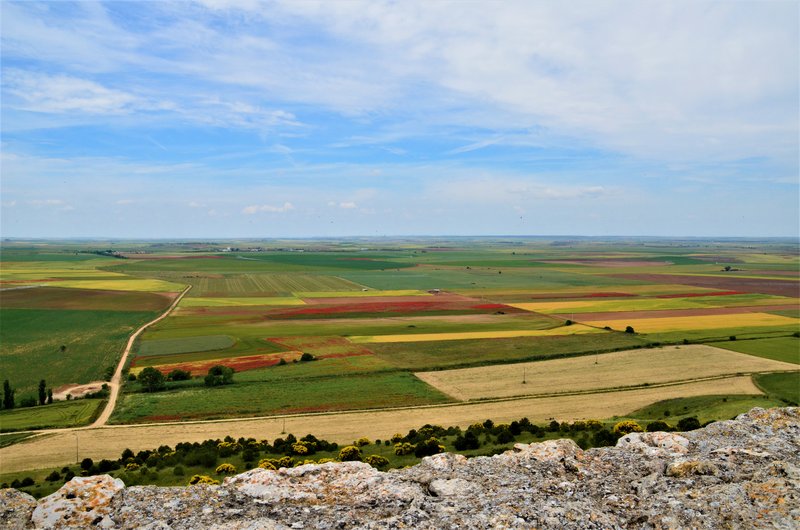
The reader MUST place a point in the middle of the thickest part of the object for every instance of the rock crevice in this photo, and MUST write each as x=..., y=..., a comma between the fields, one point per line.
x=742, y=473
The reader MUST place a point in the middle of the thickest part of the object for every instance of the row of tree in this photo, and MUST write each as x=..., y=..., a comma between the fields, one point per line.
x=45, y=396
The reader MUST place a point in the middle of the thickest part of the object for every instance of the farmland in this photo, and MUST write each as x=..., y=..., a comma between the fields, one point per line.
x=426, y=330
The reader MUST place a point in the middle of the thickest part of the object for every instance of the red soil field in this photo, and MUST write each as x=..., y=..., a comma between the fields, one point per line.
x=618, y=315
x=746, y=285
x=239, y=364
x=391, y=306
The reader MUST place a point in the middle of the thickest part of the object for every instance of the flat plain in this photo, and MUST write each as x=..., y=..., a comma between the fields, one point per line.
x=439, y=332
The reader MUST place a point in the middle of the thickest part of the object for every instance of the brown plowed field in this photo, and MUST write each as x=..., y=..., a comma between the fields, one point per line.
x=85, y=299
x=615, y=315
x=786, y=287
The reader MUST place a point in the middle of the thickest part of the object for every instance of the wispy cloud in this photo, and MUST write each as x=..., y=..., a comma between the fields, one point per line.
x=250, y=210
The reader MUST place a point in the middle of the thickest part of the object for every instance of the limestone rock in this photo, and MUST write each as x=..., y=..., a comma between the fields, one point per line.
x=81, y=502
x=742, y=473
x=16, y=509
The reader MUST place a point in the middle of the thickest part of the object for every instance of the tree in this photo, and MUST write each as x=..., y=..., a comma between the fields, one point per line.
x=151, y=380
x=63, y=348
x=688, y=424
x=629, y=329
x=42, y=392
x=219, y=375
x=179, y=375
x=49, y=396
x=8, y=395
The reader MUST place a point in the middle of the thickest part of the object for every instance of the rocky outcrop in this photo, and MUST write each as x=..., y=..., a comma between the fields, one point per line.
x=743, y=473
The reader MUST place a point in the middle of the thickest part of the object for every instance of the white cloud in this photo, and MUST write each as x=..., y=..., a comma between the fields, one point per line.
x=347, y=205
x=125, y=201
x=65, y=94
x=250, y=210
x=46, y=202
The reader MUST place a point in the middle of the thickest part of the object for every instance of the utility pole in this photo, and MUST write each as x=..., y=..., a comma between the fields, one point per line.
x=523, y=375
x=283, y=431
x=77, y=461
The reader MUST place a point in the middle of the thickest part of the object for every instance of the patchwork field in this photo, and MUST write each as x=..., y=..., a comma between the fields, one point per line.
x=629, y=368
x=390, y=324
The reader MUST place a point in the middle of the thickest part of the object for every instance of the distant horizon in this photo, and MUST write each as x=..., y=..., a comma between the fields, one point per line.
x=403, y=236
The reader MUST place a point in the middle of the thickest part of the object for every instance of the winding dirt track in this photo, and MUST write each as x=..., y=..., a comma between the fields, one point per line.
x=114, y=385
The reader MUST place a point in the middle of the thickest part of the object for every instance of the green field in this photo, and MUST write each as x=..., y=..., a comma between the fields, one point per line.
x=279, y=396
x=32, y=338
x=56, y=415
x=419, y=356
x=185, y=345
x=784, y=387
x=705, y=408
x=786, y=349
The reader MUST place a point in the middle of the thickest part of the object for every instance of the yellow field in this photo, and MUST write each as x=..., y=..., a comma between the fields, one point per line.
x=45, y=273
x=465, y=335
x=650, y=304
x=58, y=449
x=133, y=284
x=613, y=370
x=649, y=325
x=237, y=301
x=352, y=294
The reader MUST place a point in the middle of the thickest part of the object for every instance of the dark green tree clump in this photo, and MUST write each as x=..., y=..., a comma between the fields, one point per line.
x=151, y=380
x=219, y=375
x=8, y=395
x=179, y=375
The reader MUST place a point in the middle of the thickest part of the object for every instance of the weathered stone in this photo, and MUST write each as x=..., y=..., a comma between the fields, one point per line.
x=743, y=473
x=81, y=502
x=16, y=509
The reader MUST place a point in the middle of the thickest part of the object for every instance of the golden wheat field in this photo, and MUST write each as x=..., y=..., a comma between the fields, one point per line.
x=611, y=370
x=650, y=325
x=58, y=448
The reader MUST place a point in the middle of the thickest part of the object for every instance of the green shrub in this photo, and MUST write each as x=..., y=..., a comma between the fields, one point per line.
x=688, y=424
x=202, y=479
x=178, y=471
x=377, y=461
x=225, y=469
x=626, y=427
x=350, y=453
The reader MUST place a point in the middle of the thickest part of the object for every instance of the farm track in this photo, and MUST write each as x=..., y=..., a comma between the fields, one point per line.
x=114, y=384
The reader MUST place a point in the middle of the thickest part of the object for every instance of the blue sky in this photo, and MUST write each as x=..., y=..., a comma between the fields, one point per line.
x=224, y=118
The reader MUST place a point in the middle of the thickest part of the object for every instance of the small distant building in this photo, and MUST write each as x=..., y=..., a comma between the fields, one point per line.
x=434, y=291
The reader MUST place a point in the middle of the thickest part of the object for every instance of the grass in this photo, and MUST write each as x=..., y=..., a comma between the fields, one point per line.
x=704, y=408
x=448, y=354
x=786, y=349
x=185, y=345
x=360, y=294
x=340, y=392
x=56, y=415
x=611, y=370
x=13, y=438
x=32, y=338
x=471, y=335
x=785, y=387
x=264, y=284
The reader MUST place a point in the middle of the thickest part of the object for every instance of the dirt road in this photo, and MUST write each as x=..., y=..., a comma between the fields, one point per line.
x=114, y=385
